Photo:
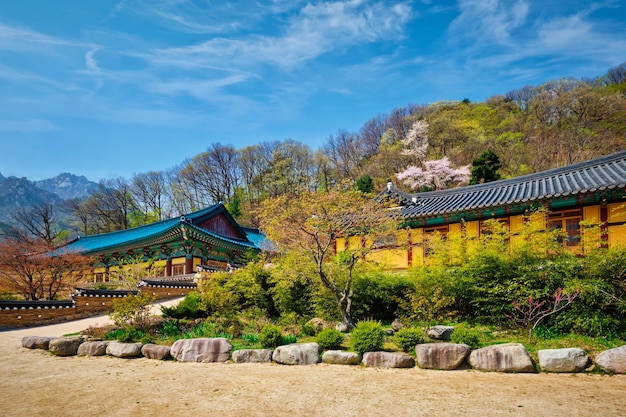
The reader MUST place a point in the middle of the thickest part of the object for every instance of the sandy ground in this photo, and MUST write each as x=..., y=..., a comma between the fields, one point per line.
x=35, y=383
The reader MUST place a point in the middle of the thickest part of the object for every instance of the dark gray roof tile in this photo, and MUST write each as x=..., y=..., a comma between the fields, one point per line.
x=607, y=172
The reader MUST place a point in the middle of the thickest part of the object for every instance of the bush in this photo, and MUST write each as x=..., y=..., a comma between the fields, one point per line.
x=407, y=337
x=367, y=336
x=189, y=308
x=125, y=335
x=470, y=337
x=270, y=336
x=330, y=339
x=132, y=310
x=307, y=329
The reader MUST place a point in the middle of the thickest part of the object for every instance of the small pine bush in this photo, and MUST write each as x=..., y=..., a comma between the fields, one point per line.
x=367, y=336
x=407, y=337
x=270, y=336
x=470, y=337
x=308, y=329
x=330, y=339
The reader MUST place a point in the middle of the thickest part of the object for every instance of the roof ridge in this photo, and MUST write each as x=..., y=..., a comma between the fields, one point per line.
x=567, y=169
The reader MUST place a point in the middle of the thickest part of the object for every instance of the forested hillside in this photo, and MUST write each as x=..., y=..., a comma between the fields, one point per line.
x=530, y=129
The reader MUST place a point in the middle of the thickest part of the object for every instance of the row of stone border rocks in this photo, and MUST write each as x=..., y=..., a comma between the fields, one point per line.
x=509, y=357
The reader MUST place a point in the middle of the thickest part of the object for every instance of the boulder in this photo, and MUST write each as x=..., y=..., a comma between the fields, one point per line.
x=158, y=352
x=508, y=357
x=388, y=360
x=340, y=357
x=95, y=348
x=613, y=360
x=297, y=354
x=124, y=350
x=65, y=346
x=440, y=332
x=396, y=324
x=342, y=327
x=563, y=360
x=318, y=324
x=441, y=355
x=202, y=349
x=252, y=356
x=36, y=342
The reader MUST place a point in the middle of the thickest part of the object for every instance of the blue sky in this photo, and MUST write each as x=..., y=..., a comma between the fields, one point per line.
x=112, y=88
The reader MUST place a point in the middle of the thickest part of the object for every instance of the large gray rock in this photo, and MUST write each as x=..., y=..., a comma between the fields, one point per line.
x=65, y=346
x=202, y=350
x=440, y=332
x=563, y=360
x=36, y=342
x=124, y=350
x=441, y=355
x=613, y=360
x=340, y=357
x=396, y=324
x=98, y=348
x=388, y=360
x=252, y=356
x=318, y=324
x=508, y=357
x=297, y=354
x=158, y=352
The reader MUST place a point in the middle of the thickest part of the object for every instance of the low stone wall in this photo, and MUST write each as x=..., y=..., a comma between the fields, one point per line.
x=12, y=316
x=86, y=302
x=164, y=290
x=209, y=350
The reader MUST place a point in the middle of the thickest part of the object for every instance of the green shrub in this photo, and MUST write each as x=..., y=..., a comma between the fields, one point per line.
x=132, y=310
x=330, y=339
x=407, y=337
x=270, y=336
x=470, y=337
x=189, y=308
x=250, y=339
x=307, y=329
x=125, y=335
x=169, y=329
x=288, y=339
x=367, y=336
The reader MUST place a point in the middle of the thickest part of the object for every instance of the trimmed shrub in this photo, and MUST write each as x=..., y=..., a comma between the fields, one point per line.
x=470, y=337
x=330, y=339
x=407, y=337
x=367, y=336
x=307, y=329
x=270, y=336
x=190, y=307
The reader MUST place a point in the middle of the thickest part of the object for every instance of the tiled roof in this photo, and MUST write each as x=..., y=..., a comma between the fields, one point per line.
x=605, y=173
x=137, y=235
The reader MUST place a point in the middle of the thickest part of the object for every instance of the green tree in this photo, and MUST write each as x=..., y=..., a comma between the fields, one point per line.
x=309, y=224
x=485, y=168
x=365, y=184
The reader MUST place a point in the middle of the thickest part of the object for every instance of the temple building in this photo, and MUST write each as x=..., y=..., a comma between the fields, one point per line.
x=205, y=239
x=593, y=191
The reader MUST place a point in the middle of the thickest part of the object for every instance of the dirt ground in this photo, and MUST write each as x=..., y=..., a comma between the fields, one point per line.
x=35, y=383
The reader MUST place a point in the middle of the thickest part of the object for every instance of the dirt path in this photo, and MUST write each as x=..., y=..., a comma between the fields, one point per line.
x=35, y=383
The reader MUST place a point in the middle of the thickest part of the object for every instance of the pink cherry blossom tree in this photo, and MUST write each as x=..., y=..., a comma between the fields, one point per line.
x=436, y=174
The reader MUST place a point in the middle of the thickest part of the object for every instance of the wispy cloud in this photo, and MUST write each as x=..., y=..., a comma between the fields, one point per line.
x=316, y=30
x=488, y=21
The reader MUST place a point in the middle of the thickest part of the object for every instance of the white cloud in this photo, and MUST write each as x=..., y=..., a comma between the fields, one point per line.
x=489, y=21
x=316, y=30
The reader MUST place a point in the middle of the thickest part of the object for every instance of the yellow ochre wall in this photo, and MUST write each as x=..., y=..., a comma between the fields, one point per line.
x=411, y=253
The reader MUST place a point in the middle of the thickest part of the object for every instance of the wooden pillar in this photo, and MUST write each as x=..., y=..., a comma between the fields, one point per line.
x=604, y=228
x=189, y=264
x=168, y=267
